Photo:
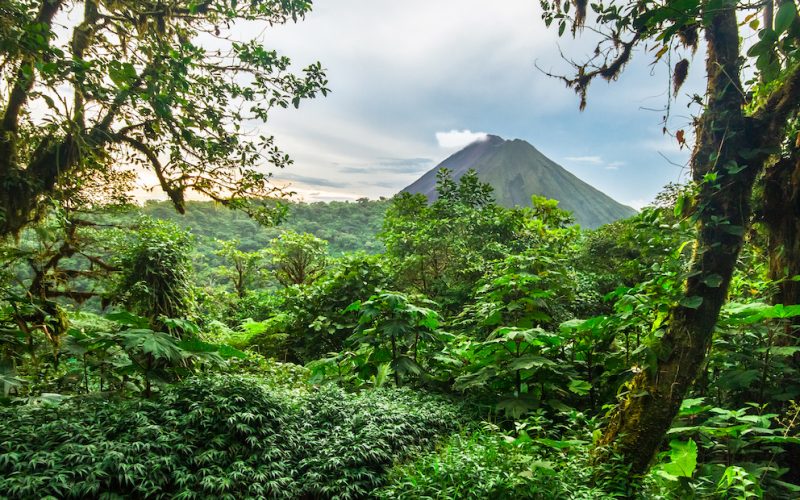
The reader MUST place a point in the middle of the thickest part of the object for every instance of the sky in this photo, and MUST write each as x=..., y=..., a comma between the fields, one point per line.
x=414, y=81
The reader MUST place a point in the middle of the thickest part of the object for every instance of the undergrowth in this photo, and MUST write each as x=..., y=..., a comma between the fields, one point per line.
x=218, y=437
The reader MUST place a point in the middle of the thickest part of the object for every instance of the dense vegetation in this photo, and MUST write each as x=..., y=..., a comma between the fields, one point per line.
x=465, y=350
x=526, y=327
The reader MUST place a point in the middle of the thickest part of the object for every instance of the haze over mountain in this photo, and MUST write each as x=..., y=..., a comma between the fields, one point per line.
x=516, y=170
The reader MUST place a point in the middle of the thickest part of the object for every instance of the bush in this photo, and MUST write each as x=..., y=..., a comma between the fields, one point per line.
x=489, y=464
x=220, y=437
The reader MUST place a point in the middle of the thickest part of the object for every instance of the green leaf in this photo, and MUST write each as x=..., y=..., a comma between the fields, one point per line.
x=785, y=351
x=580, y=387
x=530, y=361
x=122, y=74
x=126, y=318
x=515, y=407
x=692, y=302
x=679, y=203
x=682, y=459
x=713, y=280
x=404, y=364
x=561, y=444
x=785, y=17
x=784, y=312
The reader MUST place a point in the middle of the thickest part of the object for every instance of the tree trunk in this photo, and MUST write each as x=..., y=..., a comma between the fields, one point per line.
x=637, y=426
x=782, y=219
x=781, y=216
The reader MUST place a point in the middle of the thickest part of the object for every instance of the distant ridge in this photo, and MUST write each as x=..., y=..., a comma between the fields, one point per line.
x=516, y=170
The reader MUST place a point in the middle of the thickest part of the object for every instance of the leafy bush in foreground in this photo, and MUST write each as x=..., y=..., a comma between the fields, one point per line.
x=221, y=437
x=488, y=464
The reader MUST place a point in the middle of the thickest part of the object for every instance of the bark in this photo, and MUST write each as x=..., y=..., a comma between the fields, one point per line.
x=781, y=216
x=782, y=219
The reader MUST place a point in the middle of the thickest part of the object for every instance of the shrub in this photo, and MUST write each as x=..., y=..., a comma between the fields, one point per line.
x=220, y=437
x=488, y=464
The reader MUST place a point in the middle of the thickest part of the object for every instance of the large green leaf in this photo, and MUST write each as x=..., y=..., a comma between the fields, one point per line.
x=530, y=361
x=785, y=16
x=682, y=460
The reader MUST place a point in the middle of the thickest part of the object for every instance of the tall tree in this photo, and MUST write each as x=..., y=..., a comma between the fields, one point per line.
x=97, y=88
x=735, y=136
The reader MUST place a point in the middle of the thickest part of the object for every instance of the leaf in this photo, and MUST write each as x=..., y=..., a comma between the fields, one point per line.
x=713, y=281
x=515, y=407
x=785, y=17
x=126, y=318
x=681, y=201
x=561, y=444
x=355, y=306
x=692, y=302
x=785, y=351
x=122, y=74
x=530, y=361
x=404, y=364
x=784, y=312
x=571, y=325
x=580, y=387
x=682, y=459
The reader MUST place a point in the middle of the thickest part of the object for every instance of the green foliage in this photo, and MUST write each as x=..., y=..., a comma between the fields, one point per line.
x=442, y=250
x=515, y=367
x=242, y=269
x=489, y=464
x=312, y=320
x=222, y=437
x=155, y=280
x=346, y=226
x=298, y=259
x=116, y=354
x=397, y=328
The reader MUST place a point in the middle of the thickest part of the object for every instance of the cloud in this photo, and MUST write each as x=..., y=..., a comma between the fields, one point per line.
x=405, y=165
x=392, y=166
x=459, y=138
x=312, y=181
x=386, y=184
x=594, y=160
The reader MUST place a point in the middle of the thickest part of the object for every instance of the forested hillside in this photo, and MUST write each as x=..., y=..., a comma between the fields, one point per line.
x=346, y=226
x=440, y=347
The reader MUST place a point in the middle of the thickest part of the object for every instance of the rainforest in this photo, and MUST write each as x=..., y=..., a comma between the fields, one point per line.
x=224, y=339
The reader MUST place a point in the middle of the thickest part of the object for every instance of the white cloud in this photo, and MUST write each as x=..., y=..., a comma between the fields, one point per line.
x=459, y=138
x=594, y=160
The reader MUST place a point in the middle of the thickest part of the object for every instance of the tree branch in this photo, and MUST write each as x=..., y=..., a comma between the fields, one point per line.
x=175, y=194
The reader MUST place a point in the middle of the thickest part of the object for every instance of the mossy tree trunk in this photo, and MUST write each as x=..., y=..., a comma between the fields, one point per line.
x=731, y=149
x=782, y=219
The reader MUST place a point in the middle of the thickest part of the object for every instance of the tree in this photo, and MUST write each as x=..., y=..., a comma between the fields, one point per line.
x=399, y=323
x=442, y=249
x=166, y=85
x=781, y=216
x=244, y=266
x=299, y=259
x=155, y=276
x=736, y=134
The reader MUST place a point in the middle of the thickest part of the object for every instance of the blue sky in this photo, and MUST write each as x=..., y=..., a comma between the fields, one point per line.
x=414, y=81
